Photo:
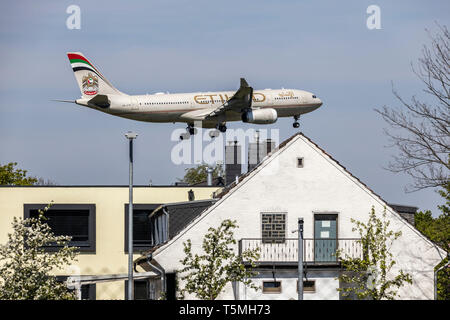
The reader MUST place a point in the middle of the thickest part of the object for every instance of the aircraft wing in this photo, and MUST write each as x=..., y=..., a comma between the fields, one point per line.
x=239, y=102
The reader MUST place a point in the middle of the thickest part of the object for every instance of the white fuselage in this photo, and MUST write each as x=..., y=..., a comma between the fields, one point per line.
x=190, y=107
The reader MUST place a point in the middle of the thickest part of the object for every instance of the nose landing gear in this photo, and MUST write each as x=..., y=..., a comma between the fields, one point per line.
x=296, y=124
x=191, y=130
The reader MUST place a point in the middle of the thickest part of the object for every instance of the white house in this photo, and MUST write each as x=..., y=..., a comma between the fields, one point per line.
x=298, y=179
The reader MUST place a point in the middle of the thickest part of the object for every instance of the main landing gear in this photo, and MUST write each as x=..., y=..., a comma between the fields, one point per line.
x=219, y=128
x=190, y=131
x=296, y=124
x=222, y=127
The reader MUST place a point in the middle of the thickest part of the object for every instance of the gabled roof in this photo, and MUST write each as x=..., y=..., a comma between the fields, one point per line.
x=234, y=187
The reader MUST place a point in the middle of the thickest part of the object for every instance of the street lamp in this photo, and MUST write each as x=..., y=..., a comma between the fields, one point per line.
x=300, y=258
x=130, y=136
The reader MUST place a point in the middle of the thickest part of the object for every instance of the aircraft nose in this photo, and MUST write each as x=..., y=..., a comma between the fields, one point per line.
x=319, y=102
x=315, y=101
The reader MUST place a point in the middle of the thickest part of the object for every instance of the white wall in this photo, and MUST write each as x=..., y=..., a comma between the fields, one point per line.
x=325, y=281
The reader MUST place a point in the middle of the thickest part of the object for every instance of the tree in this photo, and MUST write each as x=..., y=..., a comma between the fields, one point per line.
x=11, y=176
x=207, y=274
x=420, y=130
x=370, y=276
x=25, y=266
x=438, y=230
x=198, y=174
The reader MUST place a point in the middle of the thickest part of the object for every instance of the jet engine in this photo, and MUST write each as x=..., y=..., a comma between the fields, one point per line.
x=260, y=116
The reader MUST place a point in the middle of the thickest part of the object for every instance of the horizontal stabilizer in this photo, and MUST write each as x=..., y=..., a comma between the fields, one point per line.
x=100, y=100
x=68, y=101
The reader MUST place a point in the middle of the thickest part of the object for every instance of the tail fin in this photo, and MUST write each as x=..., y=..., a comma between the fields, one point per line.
x=89, y=79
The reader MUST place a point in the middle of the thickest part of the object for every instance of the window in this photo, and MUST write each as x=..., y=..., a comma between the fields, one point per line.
x=273, y=226
x=299, y=162
x=308, y=286
x=142, y=227
x=171, y=284
x=88, y=291
x=271, y=286
x=141, y=290
x=74, y=220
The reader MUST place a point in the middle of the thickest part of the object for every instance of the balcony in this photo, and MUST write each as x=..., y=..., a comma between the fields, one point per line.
x=315, y=251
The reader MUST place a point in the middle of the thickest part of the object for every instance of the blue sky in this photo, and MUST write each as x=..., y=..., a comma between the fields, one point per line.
x=181, y=46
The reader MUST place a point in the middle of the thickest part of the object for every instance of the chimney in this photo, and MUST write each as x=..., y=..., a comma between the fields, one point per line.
x=269, y=146
x=191, y=195
x=258, y=150
x=209, y=172
x=233, y=166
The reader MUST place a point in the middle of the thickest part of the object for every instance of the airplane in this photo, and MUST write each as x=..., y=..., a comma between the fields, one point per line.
x=209, y=109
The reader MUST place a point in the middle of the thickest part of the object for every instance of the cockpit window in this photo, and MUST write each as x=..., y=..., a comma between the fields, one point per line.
x=314, y=96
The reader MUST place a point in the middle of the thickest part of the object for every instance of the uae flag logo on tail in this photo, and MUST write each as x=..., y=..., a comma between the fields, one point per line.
x=90, y=84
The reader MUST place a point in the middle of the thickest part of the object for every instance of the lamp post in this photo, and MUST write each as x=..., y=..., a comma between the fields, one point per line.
x=130, y=136
x=300, y=258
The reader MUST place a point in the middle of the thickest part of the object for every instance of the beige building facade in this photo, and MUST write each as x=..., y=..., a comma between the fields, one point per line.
x=104, y=209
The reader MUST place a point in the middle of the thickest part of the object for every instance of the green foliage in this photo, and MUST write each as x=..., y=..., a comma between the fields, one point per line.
x=435, y=229
x=207, y=274
x=370, y=276
x=445, y=193
x=443, y=281
x=11, y=176
x=198, y=174
x=25, y=266
x=438, y=231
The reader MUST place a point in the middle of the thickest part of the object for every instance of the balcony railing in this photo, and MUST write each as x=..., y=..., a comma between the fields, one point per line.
x=315, y=251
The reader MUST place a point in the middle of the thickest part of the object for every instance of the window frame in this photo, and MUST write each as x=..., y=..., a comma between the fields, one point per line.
x=272, y=290
x=88, y=246
x=302, y=159
x=313, y=290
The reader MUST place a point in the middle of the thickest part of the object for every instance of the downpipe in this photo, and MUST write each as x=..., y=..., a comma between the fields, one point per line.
x=159, y=271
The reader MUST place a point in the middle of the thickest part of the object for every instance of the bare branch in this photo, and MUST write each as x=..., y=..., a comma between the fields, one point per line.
x=420, y=131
